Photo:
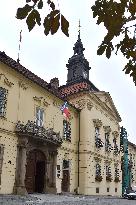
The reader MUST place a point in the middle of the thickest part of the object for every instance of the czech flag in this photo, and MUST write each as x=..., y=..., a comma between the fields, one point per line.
x=65, y=111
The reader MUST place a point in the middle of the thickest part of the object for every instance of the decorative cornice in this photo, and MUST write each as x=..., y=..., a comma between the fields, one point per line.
x=107, y=129
x=97, y=123
x=22, y=85
x=115, y=134
x=6, y=81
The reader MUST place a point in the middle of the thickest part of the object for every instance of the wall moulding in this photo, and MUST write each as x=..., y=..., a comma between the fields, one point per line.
x=5, y=80
x=97, y=122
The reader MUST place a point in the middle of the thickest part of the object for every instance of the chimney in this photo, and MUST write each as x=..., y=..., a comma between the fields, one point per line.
x=54, y=82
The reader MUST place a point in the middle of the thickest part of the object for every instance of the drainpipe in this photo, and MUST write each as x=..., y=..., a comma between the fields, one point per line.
x=78, y=155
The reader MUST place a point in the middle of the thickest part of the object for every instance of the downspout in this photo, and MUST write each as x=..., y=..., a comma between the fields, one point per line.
x=78, y=155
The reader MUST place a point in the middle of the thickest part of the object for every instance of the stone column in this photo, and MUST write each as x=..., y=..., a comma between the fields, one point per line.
x=19, y=187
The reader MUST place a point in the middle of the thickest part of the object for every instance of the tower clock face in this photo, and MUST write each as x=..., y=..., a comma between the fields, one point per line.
x=85, y=74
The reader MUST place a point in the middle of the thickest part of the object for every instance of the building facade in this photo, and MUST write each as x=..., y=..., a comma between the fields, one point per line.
x=42, y=152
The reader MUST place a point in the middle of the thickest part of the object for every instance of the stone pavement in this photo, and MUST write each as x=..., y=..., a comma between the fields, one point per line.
x=51, y=199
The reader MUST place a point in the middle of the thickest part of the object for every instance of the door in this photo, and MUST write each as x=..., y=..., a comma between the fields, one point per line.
x=35, y=172
x=65, y=181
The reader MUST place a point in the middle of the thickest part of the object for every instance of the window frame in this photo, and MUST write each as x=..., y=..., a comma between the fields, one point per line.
x=39, y=120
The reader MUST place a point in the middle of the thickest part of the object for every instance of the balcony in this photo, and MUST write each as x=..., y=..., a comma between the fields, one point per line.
x=30, y=129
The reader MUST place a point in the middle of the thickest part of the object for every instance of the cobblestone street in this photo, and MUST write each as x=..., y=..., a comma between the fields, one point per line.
x=48, y=199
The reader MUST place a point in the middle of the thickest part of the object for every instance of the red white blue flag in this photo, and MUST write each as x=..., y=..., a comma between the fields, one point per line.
x=65, y=110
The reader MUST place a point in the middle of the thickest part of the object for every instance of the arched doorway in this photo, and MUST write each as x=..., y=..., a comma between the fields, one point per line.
x=35, y=171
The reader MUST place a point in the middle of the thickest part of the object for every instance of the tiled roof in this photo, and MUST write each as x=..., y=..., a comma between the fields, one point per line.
x=28, y=74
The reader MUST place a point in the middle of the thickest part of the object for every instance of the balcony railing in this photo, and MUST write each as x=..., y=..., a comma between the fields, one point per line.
x=30, y=129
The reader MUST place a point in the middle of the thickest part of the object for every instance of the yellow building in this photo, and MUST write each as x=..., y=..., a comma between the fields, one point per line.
x=42, y=152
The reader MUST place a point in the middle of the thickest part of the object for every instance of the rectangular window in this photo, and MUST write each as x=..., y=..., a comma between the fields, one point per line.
x=3, y=101
x=116, y=189
x=40, y=116
x=97, y=190
x=108, y=189
x=66, y=130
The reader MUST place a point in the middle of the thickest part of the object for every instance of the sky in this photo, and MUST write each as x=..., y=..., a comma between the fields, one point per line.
x=47, y=56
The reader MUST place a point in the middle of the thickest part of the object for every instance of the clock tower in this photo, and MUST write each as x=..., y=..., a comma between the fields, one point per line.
x=78, y=66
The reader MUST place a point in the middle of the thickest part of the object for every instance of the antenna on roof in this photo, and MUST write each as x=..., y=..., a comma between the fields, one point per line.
x=20, y=39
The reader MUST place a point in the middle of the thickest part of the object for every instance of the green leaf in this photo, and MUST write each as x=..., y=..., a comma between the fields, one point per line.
x=27, y=1
x=55, y=24
x=64, y=25
x=101, y=49
x=47, y=25
x=31, y=21
x=108, y=52
x=40, y=4
x=23, y=12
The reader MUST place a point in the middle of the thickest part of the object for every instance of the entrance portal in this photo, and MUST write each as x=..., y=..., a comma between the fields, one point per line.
x=35, y=172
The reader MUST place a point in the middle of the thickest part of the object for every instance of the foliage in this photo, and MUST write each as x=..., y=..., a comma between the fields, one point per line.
x=52, y=21
x=119, y=18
